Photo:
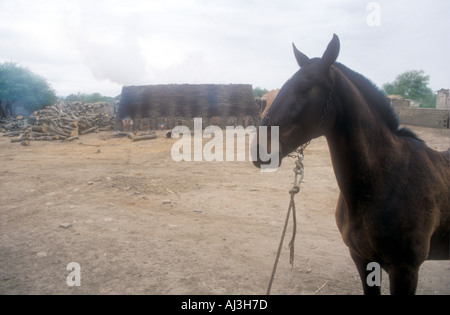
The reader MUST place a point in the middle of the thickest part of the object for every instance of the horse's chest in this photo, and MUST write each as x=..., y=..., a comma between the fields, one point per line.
x=357, y=231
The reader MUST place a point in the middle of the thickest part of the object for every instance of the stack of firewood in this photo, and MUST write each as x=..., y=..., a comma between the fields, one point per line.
x=57, y=122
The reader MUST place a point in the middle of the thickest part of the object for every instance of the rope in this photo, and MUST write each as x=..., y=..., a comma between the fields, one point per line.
x=299, y=173
x=298, y=170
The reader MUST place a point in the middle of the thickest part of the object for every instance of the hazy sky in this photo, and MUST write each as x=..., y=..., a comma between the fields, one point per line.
x=100, y=45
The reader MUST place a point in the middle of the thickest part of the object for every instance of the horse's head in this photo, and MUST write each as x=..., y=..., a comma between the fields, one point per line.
x=301, y=108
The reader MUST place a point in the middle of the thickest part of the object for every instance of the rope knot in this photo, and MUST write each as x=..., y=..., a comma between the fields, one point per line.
x=294, y=190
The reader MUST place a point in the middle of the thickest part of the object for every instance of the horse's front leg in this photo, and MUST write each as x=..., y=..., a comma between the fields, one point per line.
x=403, y=279
x=361, y=265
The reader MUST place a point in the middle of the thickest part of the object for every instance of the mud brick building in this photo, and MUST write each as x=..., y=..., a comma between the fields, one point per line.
x=166, y=106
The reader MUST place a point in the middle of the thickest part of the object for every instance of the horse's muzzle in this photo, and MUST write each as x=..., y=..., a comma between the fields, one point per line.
x=271, y=160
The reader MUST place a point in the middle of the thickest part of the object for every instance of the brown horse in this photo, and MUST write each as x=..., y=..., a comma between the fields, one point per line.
x=394, y=203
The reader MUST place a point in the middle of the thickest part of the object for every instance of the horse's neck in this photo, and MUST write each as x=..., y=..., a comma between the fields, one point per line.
x=357, y=140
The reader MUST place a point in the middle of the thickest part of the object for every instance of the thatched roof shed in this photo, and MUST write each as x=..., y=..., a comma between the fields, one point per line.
x=165, y=106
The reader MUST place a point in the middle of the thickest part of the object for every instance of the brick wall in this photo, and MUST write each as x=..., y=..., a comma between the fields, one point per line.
x=426, y=117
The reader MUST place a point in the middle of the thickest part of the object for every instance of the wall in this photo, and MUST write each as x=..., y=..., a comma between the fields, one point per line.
x=426, y=117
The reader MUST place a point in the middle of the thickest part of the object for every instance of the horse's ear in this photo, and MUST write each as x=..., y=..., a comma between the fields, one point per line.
x=330, y=55
x=302, y=59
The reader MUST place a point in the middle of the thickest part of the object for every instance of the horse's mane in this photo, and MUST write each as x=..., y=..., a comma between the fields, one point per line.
x=378, y=101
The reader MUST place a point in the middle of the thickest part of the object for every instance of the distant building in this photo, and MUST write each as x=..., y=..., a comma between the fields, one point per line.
x=442, y=99
x=166, y=106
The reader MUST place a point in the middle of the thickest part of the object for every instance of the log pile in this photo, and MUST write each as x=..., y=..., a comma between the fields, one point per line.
x=57, y=122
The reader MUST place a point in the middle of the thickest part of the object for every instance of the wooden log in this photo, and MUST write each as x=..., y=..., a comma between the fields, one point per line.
x=56, y=130
x=120, y=134
x=41, y=134
x=50, y=138
x=39, y=128
x=93, y=129
x=89, y=124
x=13, y=133
x=47, y=120
x=146, y=137
x=70, y=124
x=144, y=133
x=15, y=140
x=67, y=130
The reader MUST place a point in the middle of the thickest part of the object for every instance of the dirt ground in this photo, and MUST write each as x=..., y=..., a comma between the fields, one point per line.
x=137, y=222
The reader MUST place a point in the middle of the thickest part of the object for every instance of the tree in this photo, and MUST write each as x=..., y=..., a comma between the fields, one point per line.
x=18, y=85
x=73, y=97
x=412, y=85
x=259, y=92
x=91, y=98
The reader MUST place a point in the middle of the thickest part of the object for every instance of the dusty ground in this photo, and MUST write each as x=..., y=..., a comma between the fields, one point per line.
x=103, y=202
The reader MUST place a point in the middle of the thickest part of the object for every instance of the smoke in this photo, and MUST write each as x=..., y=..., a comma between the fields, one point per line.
x=107, y=44
x=121, y=62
